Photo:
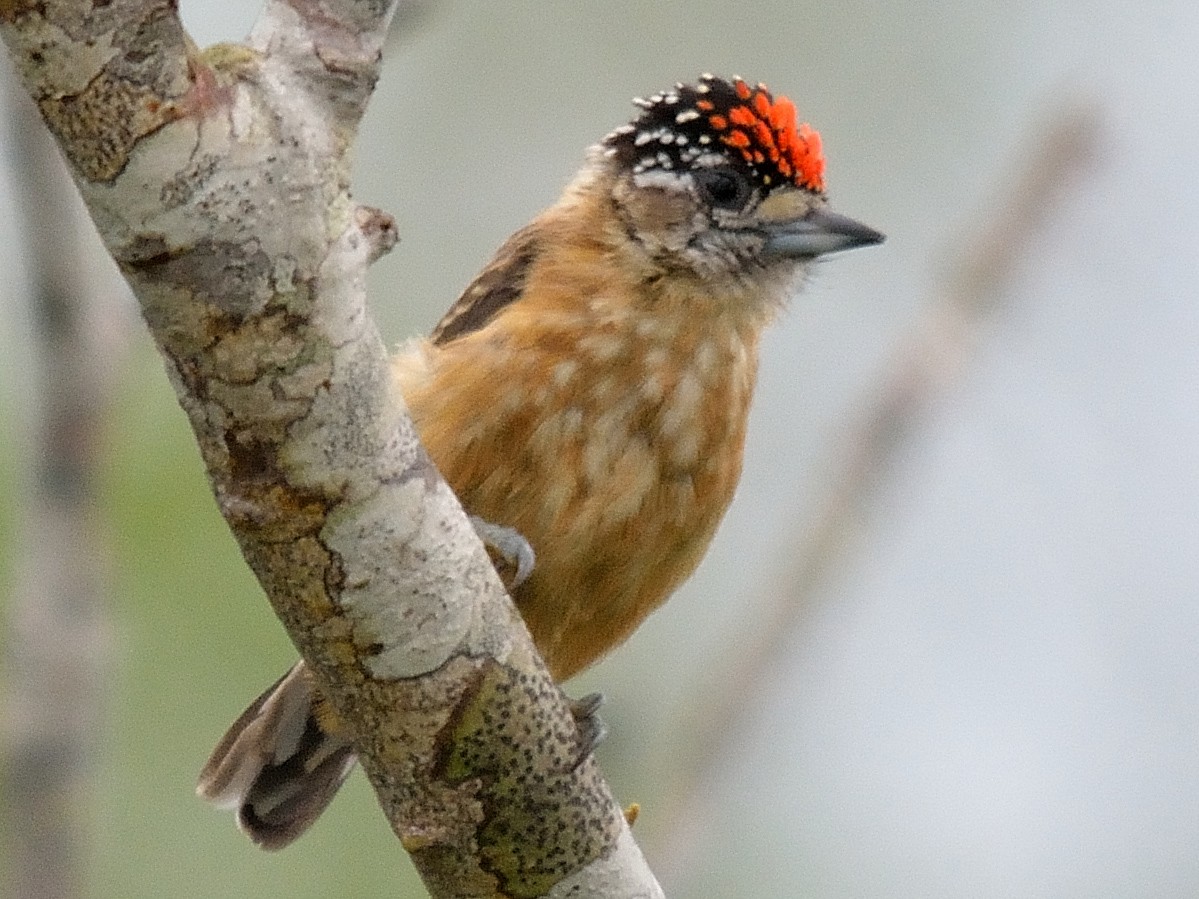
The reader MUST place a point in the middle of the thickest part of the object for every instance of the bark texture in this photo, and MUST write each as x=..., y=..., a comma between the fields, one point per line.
x=219, y=182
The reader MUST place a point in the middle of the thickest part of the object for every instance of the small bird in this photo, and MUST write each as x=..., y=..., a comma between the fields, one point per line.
x=589, y=393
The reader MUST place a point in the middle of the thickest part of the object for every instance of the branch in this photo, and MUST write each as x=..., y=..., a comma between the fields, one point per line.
x=936, y=353
x=219, y=183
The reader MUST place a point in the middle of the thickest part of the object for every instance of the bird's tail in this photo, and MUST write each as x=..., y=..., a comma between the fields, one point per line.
x=277, y=766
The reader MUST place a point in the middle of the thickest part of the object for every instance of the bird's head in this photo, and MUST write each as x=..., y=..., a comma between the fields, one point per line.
x=719, y=180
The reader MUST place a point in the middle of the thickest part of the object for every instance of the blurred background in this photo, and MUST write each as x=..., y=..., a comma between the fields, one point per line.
x=945, y=642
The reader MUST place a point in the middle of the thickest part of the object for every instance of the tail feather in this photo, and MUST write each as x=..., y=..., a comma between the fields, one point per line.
x=277, y=766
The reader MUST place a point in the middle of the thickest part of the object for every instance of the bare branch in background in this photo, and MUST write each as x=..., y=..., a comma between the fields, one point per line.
x=55, y=651
x=219, y=183
x=975, y=288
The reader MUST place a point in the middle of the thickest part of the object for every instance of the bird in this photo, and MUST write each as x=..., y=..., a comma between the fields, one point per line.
x=587, y=395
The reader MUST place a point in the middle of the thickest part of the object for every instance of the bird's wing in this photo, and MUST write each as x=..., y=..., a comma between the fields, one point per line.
x=498, y=285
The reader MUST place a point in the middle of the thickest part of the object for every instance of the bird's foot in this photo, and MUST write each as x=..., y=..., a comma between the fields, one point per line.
x=511, y=553
x=592, y=729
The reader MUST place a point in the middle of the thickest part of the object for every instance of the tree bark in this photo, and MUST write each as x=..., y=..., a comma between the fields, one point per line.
x=219, y=183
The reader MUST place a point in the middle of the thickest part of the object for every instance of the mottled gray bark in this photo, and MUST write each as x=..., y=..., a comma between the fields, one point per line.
x=219, y=182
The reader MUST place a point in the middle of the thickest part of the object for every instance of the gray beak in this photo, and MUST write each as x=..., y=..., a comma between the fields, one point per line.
x=820, y=231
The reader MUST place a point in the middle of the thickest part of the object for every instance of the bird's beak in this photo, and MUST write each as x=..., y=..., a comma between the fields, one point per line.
x=816, y=233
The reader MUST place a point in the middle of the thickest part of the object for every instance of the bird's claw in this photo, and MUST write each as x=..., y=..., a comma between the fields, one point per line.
x=592, y=728
x=509, y=545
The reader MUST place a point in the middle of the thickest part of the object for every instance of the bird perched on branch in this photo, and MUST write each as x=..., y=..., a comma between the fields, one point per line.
x=589, y=392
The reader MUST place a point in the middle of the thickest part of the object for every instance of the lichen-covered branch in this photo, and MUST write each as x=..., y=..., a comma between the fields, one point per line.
x=219, y=182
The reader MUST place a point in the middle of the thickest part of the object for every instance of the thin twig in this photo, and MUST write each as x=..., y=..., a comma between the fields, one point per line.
x=976, y=287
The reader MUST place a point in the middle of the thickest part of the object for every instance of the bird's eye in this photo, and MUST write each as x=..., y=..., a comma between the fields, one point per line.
x=723, y=188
